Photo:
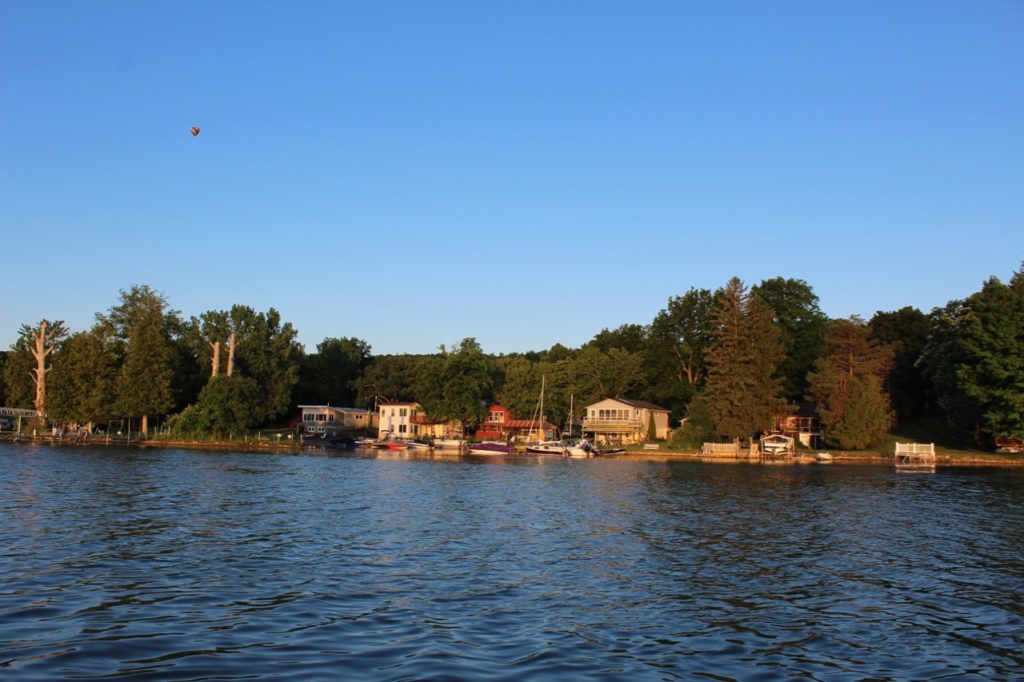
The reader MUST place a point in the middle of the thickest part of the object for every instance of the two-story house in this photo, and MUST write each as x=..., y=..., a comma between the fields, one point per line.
x=493, y=427
x=396, y=420
x=617, y=421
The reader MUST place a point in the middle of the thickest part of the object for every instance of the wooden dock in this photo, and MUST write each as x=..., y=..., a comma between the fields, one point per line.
x=915, y=457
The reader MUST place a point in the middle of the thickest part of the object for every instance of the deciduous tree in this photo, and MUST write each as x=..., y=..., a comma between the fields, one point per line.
x=846, y=385
x=676, y=355
x=802, y=328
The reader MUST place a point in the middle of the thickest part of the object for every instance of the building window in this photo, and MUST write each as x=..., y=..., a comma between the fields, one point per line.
x=308, y=417
x=401, y=428
x=402, y=412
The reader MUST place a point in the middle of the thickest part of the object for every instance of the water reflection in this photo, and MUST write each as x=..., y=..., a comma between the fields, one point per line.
x=187, y=565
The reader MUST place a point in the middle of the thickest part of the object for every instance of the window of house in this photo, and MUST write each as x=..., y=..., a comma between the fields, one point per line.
x=308, y=417
x=402, y=412
x=401, y=428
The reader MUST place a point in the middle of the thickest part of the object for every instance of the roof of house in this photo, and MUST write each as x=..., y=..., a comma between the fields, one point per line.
x=642, y=404
x=349, y=410
x=526, y=424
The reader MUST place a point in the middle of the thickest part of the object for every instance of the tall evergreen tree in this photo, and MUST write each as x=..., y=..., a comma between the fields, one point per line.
x=846, y=385
x=83, y=382
x=143, y=383
x=743, y=392
x=992, y=338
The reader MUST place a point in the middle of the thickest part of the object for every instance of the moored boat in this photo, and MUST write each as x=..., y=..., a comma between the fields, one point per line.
x=490, y=448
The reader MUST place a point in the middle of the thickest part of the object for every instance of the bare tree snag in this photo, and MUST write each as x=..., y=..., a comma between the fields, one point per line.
x=215, y=359
x=231, y=354
x=45, y=341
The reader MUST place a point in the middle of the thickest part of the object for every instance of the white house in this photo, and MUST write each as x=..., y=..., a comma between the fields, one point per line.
x=617, y=421
x=396, y=420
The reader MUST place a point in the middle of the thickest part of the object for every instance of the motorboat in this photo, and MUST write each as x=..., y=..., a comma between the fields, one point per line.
x=490, y=448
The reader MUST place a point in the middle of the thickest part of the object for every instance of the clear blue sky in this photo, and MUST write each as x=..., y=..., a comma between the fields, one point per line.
x=526, y=173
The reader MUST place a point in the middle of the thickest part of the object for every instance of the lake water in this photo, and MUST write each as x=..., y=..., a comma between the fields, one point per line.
x=185, y=565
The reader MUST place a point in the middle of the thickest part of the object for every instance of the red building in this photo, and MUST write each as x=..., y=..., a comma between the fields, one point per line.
x=493, y=427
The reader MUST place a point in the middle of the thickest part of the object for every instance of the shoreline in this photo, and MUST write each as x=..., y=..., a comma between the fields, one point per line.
x=868, y=458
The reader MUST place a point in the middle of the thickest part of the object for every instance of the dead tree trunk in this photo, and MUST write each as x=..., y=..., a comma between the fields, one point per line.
x=231, y=354
x=215, y=360
x=44, y=345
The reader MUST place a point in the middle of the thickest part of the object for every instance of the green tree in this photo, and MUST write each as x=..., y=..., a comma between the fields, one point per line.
x=906, y=332
x=743, y=391
x=331, y=375
x=18, y=372
x=802, y=328
x=82, y=386
x=457, y=383
x=140, y=327
x=696, y=428
x=846, y=385
x=627, y=337
x=865, y=420
x=940, y=361
x=992, y=339
x=597, y=374
x=675, y=358
x=265, y=350
x=227, y=406
x=389, y=379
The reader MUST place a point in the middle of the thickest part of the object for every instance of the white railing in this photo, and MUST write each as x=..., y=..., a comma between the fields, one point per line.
x=915, y=455
x=720, y=449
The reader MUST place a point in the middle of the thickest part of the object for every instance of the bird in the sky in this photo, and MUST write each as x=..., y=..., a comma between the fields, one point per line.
x=195, y=131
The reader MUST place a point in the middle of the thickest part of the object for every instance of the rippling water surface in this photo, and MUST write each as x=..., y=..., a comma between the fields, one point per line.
x=176, y=565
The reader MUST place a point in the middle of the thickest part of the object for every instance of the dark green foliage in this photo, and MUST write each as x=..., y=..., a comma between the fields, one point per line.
x=865, y=419
x=268, y=353
x=457, y=384
x=82, y=384
x=906, y=332
x=991, y=374
x=141, y=329
x=331, y=375
x=802, y=328
x=652, y=429
x=18, y=369
x=389, y=379
x=3, y=383
x=846, y=385
x=628, y=337
x=679, y=338
x=940, y=359
x=227, y=406
x=743, y=391
x=696, y=428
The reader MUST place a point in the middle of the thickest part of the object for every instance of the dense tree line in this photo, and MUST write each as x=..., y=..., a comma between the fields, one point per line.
x=726, y=362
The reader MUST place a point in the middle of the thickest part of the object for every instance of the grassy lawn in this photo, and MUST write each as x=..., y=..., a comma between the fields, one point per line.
x=947, y=443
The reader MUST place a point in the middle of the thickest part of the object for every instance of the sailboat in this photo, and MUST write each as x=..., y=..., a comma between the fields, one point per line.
x=564, y=448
